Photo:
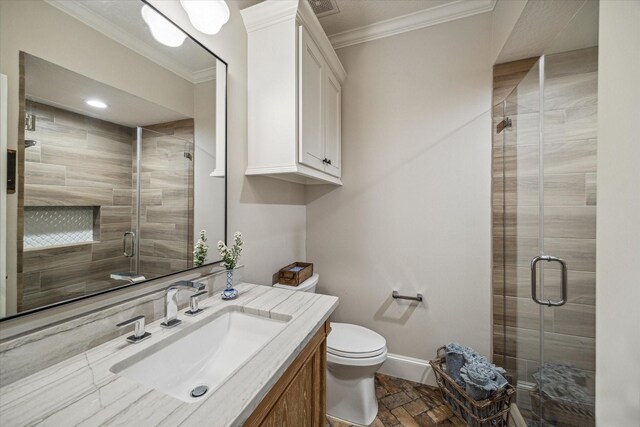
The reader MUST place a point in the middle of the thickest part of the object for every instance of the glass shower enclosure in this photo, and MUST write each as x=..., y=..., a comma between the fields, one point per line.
x=544, y=233
x=160, y=241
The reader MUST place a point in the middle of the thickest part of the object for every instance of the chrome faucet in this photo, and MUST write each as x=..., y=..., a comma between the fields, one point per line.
x=171, y=302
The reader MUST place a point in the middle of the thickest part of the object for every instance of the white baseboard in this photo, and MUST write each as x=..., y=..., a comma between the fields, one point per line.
x=408, y=368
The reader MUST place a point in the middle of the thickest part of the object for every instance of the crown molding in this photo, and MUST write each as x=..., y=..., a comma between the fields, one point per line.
x=266, y=14
x=117, y=34
x=413, y=21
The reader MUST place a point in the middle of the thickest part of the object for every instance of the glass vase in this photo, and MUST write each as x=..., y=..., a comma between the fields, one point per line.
x=229, y=292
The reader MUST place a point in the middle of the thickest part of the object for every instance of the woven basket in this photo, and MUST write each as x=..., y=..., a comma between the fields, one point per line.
x=491, y=412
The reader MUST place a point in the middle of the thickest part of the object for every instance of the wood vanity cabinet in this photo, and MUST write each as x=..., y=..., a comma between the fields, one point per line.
x=298, y=399
x=295, y=95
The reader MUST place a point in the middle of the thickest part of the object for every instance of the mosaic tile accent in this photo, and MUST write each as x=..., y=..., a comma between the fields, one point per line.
x=46, y=226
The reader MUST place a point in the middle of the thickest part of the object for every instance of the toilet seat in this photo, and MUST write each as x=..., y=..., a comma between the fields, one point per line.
x=347, y=341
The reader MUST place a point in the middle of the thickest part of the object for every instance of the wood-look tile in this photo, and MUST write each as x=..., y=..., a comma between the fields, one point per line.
x=591, y=189
x=577, y=90
x=31, y=282
x=44, y=174
x=562, y=348
x=581, y=284
x=580, y=254
x=577, y=222
x=570, y=157
x=170, y=249
x=110, y=143
x=123, y=197
x=89, y=177
x=580, y=123
x=519, y=313
x=579, y=61
x=152, y=197
x=93, y=125
x=33, y=154
x=559, y=190
x=50, y=134
x=168, y=214
x=59, y=195
x=52, y=296
x=115, y=214
x=72, y=157
x=42, y=259
x=575, y=319
x=114, y=230
x=507, y=76
x=169, y=179
x=106, y=249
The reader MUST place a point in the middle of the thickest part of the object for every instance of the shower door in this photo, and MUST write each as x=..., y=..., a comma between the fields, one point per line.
x=544, y=239
x=163, y=199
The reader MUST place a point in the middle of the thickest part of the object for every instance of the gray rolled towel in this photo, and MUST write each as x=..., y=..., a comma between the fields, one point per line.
x=456, y=356
x=482, y=378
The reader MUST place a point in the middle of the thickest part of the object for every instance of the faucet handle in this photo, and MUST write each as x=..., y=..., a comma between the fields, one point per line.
x=139, y=333
x=193, y=304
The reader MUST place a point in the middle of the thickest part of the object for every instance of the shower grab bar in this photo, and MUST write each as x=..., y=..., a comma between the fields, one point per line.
x=133, y=244
x=534, y=290
x=396, y=295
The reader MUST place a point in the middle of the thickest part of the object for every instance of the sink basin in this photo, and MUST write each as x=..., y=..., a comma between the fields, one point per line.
x=204, y=354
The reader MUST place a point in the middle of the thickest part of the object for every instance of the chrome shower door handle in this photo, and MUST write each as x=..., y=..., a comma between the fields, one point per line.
x=563, y=272
x=133, y=244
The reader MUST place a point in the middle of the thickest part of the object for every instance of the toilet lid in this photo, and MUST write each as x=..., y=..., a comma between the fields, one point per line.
x=354, y=341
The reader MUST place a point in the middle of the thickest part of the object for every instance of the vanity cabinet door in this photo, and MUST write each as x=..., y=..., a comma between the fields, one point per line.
x=298, y=399
x=333, y=100
x=294, y=408
x=311, y=120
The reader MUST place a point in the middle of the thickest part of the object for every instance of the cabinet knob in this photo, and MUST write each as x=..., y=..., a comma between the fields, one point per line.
x=328, y=161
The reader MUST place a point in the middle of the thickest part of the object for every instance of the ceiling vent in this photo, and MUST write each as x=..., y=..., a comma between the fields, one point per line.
x=324, y=7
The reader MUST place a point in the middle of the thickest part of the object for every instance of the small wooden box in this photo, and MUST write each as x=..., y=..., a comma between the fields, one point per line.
x=296, y=273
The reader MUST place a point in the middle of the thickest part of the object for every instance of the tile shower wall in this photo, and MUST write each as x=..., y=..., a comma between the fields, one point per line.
x=77, y=161
x=166, y=209
x=570, y=138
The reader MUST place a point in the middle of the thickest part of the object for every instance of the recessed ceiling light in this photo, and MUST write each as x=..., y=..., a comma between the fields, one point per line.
x=96, y=103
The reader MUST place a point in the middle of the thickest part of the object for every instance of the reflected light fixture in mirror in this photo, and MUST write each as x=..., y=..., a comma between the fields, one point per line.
x=207, y=16
x=161, y=29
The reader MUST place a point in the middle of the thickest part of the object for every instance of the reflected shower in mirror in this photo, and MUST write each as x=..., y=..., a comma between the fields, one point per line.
x=121, y=145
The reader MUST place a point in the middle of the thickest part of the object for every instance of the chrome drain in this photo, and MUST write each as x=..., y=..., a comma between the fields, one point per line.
x=199, y=391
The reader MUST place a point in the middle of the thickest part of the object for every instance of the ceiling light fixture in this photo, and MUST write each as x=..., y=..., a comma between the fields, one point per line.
x=207, y=16
x=96, y=103
x=162, y=29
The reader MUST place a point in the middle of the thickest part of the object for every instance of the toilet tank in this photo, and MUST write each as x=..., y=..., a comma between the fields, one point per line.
x=308, y=285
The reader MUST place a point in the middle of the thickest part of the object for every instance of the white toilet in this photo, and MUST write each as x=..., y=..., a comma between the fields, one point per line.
x=354, y=354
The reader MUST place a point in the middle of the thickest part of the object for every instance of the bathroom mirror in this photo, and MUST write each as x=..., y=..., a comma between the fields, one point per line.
x=120, y=136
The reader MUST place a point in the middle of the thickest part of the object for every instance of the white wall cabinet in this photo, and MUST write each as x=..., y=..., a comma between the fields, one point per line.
x=295, y=95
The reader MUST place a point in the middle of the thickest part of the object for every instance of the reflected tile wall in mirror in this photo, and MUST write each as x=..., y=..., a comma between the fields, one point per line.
x=79, y=188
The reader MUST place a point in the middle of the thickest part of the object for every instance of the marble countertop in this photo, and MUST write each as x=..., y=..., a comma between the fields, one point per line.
x=82, y=391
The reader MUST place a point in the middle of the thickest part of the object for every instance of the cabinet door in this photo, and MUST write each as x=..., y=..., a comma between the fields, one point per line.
x=333, y=99
x=311, y=120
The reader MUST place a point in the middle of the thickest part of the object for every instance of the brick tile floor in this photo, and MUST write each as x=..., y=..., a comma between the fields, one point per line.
x=403, y=403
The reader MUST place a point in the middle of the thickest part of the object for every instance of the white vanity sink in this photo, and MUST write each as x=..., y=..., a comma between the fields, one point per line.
x=206, y=353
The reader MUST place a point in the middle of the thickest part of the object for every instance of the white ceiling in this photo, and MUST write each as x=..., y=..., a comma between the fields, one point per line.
x=122, y=21
x=54, y=85
x=359, y=13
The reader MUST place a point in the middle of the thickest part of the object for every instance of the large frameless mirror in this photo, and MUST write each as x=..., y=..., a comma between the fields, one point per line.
x=117, y=119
